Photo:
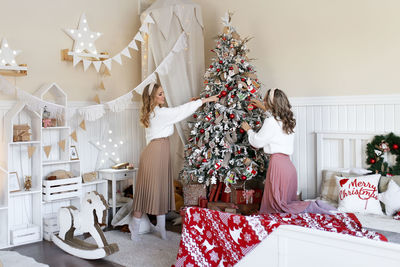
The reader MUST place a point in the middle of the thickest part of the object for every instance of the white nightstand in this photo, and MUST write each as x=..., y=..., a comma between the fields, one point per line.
x=115, y=176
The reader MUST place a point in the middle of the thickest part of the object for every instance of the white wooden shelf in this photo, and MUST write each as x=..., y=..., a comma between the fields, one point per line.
x=94, y=182
x=24, y=193
x=25, y=143
x=59, y=162
x=56, y=128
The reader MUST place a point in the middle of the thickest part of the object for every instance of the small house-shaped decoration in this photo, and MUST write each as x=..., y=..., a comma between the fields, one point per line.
x=21, y=133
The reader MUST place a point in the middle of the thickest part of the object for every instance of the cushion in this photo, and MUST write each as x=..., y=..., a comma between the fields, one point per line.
x=391, y=198
x=329, y=190
x=384, y=182
x=397, y=216
x=359, y=194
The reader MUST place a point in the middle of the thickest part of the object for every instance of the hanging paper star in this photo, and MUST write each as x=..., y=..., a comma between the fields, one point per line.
x=83, y=37
x=7, y=55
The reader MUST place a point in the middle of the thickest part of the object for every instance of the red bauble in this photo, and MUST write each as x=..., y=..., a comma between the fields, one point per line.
x=220, y=62
x=231, y=68
x=241, y=130
x=230, y=88
x=257, y=122
x=243, y=79
x=226, y=85
x=202, y=131
x=211, y=66
x=195, y=116
x=232, y=96
x=207, y=95
x=372, y=161
x=239, y=152
x=242, y=61
x=395, y=146
x=224, y=39
x=218, y=70
x=232, y=116
x=204, y=160
x=197, y=139
x=223, y=93
x=198, y=166
x=243, y=177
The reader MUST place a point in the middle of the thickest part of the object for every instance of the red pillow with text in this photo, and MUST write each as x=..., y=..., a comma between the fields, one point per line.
x=359, y=194
x=397, y=216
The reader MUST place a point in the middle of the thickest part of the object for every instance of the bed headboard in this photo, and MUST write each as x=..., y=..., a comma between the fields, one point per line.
x=340, y=150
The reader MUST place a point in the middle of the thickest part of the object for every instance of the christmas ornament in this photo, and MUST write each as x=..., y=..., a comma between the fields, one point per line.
x=223, y=93
x=231, y=116
x=378, y=151
x=7, y=55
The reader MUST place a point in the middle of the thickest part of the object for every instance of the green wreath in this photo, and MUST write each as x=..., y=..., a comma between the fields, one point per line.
x=375, y=151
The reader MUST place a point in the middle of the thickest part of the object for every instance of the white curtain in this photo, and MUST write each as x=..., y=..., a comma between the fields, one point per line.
x=185, y=79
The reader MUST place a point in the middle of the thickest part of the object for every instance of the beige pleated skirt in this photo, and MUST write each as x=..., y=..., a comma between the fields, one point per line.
x=154, y=191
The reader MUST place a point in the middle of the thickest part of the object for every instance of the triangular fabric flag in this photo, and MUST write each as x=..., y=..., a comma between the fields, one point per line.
x=86, y=64
x=102, y=87
x=126, y=53
x=83, y=125
x=133, y=45
x=97, y=99
x=74, y=136
x=31, y=150
x=97, y=65
x=117, y=58
x=47, y=150
x=148, y=19
x=107, y=63
x=76, y=60
x=61, y=144
x=139, y=37
x=106, y=72
x=144, y=28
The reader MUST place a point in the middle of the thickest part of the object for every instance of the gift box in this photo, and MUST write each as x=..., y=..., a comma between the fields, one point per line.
x=192, y=193
x=238, y=196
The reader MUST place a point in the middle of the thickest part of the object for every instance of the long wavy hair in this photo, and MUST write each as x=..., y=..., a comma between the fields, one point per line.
x=148, y=104
x=280, y=108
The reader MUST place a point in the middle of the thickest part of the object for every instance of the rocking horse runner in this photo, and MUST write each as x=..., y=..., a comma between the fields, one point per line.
x=87, y=220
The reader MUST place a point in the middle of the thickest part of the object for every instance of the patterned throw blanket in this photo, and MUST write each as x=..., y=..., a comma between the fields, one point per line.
x=213, y=238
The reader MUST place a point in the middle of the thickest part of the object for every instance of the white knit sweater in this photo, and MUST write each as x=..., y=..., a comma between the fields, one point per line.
x=162, y=119
x=272, y=138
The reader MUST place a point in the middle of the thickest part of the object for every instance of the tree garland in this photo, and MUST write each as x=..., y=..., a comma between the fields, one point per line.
x=378, y=150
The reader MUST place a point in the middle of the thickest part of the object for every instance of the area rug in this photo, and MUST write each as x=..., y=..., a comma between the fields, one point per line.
x=150, y=251
x=14, y=259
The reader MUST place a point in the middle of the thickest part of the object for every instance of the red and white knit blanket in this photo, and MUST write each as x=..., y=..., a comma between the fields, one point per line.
x=213, y=238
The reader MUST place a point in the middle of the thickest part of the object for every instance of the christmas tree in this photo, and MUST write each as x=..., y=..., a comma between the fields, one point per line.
x=218, y=149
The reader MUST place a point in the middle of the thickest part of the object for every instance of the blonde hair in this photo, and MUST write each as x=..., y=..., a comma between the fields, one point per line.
x=148, y=104
x=278, y=104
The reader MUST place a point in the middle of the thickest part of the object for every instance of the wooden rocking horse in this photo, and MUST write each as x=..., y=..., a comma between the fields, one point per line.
x=93, y=210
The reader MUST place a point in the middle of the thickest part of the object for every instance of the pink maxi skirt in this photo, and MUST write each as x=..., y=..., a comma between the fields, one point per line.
x=280, y=191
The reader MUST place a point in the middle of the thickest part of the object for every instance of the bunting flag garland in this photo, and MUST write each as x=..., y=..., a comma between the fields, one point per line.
x=61, y=144
x=126, y=53
x=31, y=150
x=47, y=150
x=97, y=99
x=74, y=136
x=97, y=65
x=83, y=125
x=117, y=58
x=133, y=45
x=107, y=63
x=106, y=72
x=102, y=87
x=94, y=112
x=86, y=64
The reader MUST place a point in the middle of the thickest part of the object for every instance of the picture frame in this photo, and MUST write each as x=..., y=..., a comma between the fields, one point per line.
x=73, y=153
x=13, y=182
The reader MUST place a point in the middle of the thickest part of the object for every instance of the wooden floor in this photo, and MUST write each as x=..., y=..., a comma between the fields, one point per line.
x=48, y=253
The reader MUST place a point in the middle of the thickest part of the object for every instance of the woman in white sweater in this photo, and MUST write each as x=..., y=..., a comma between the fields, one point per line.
x=154, y=192
x=276, y=137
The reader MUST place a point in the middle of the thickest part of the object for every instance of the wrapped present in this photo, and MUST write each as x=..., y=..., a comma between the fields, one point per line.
x=240, y=196
x=192, y=193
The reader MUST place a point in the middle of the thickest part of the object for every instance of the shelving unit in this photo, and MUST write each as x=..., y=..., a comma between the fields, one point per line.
x=20, y=211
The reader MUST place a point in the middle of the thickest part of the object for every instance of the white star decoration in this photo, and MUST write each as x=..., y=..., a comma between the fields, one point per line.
x=108, y=150
x=83, y=37
x=7, y=55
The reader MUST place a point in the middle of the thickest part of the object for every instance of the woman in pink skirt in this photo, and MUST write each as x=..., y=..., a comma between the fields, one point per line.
x=276, y=137
x=154, y=191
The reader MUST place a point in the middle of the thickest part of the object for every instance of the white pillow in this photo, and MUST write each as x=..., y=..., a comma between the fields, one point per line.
x=359, y=194
x=391, y=198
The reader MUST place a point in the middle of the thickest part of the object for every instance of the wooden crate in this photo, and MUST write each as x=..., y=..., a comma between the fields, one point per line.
x=50, y=225
x=62, y=189
x=25, y=234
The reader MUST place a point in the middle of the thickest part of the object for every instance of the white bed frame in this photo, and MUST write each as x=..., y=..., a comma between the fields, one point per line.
x=297, y=246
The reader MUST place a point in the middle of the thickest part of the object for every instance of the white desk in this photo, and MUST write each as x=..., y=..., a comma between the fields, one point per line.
x=114, y=176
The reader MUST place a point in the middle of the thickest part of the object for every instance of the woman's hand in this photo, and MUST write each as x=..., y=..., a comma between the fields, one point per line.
x=258, y=104
x=194, y=98
x=213, y=98
x=245, y=126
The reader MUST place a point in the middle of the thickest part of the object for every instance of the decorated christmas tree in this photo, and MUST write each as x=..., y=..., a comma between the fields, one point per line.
x=218, y=149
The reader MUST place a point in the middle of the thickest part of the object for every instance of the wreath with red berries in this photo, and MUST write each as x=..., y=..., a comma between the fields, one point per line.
x=376, y=150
